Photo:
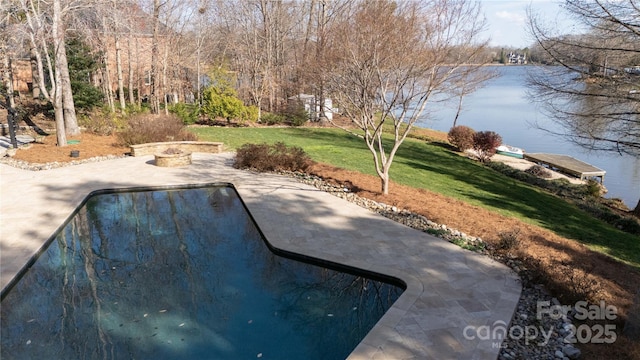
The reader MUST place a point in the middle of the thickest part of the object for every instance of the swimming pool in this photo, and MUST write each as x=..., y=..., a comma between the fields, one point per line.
x=183, y=273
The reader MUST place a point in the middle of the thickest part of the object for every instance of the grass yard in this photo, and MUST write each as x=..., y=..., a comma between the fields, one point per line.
x=430, y=166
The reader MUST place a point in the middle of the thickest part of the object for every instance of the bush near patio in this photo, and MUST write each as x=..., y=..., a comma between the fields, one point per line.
x=275, y=157
x=148, y=128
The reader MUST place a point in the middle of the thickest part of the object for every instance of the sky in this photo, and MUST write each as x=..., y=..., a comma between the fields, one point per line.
x=506, y=19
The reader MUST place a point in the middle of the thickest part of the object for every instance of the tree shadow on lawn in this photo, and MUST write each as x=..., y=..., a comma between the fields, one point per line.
x=497, y=191
x=503, y=192
x=330, y=136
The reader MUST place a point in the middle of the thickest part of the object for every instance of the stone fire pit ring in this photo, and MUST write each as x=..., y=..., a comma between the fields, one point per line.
x=173, y=157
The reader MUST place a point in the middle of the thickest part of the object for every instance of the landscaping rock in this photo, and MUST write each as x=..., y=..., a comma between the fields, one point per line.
x=571, y=352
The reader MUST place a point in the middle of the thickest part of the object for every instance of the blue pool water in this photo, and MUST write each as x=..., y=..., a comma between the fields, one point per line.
x=182, y=274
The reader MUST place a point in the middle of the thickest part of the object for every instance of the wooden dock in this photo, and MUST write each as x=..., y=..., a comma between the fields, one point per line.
x=568, y=165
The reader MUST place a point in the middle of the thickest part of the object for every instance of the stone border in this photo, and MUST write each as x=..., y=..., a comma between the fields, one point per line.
x=185, y=146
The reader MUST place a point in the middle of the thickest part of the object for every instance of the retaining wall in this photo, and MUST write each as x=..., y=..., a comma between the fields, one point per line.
x=186, y=146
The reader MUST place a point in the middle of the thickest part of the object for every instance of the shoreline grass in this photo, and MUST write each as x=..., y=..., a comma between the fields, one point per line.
x=432, y=167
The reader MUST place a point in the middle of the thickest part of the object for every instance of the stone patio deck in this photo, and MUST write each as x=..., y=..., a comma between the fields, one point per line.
x=448, y=288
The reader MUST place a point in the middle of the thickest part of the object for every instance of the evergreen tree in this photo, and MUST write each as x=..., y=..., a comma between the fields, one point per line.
x=82, y=63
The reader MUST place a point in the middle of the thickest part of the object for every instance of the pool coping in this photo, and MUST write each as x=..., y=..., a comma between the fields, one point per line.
x=450, y=291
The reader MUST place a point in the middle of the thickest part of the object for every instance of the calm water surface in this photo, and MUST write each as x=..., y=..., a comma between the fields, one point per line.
x=181, y=274
x=504, y=106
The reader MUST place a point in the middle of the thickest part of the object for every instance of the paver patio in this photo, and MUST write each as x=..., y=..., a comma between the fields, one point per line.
x=448, y=289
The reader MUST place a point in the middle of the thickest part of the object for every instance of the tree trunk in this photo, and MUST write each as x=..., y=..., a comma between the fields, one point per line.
x=459, y=110
x=385, y=184
x=155, y=101
x=165, y=60
x=130, y=53
x=61, y=135
x=139, y=75
x=35, y=71
x=319, y=56
x=68, y=106
x=107, y=83
x=63, y=82
x=34, y=24
x=7, y=77
x=119, y=73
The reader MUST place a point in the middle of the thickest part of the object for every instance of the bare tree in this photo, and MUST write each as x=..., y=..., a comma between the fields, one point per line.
x=388, y=60
x=261, y=37
x=46, y=25
x=155, y=53
x=117, y=34
x=600, y=111
x=58, y=38
x=200, y=36
x=60, y=10
x=38, y=40
x=251, y=54
x=327, y=13
x=6, y=30
x=7, y=101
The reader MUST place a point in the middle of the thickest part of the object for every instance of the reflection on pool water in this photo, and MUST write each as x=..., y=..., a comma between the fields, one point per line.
x=181, y=273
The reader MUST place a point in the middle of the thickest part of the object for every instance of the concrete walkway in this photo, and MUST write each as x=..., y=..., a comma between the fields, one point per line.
x=449, y=289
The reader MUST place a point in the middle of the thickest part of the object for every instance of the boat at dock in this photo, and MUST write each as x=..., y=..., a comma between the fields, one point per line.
x=510, y=151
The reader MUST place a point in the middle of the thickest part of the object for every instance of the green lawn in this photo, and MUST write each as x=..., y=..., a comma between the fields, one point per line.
x=432, y=167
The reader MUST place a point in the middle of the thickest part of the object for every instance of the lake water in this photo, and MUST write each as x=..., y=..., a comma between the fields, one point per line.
x=504, y=106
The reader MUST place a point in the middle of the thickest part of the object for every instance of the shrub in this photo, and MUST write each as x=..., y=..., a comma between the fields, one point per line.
x=296, y=114
x=593, y=188
x=102, y=121
x=188, y=113
x=461, y=137
x=221, y=103
x=272, y=118
x=86, y=96
x=539, y=171
x=133, y=109
x=220, y=99
x=485, y=143
x=276, y=157
x=436, y=232
x=146, y=128
x=250, y=113
x=508, y=240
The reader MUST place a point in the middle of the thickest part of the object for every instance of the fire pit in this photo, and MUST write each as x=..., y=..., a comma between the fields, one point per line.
x=173, y=157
